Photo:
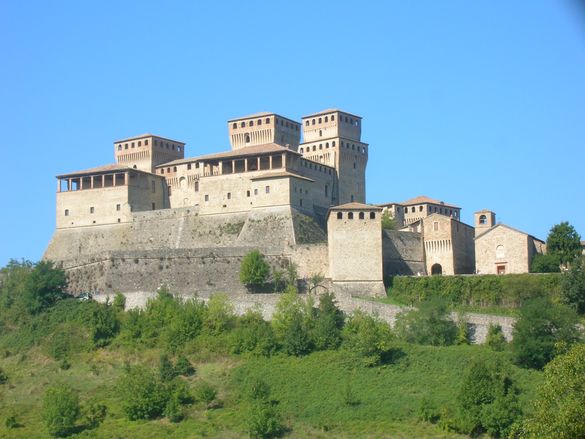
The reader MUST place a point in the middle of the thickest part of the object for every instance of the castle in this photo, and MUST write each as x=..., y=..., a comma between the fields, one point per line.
x=157, y=217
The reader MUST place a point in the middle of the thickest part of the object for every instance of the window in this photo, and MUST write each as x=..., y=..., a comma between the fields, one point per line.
x=333, y=144
x=153, y=186
x=314, y=147
x=235, y=126
x=66, y=212
x=306, y=123
x=229, y=195
x=206, y=197
x=162, y=171
x=483, y=219
x=353, y=165
x=352, y=198
x=267, y=189
x=339, y=215
x=326, y=119
x=350, y=215
x=326, y=190
x=132, y=144
x=301, y=202
x=332, y=117
x=119, y=147
x=139, y=143
x=362, y=215
x=196, y=186
x=169, y=189
x=372, y=215
x=301, y=150
x=188, y=166
x=259, y=121
x=251, y=123
x=146, y=142
x=420, y=208
x=313, y=122
x=436, y=226
x=319, y=120
x=118, y=207
x=320, y=133
x=412, y=210
x=255, y=191
x=243, y=124
x=247, y=193
x=125, y=146
x=153, y=206
x=91, y=210
x=247, y=138
x=267, y=121
x=326, y=144
x=320, y=146
x=500, y=252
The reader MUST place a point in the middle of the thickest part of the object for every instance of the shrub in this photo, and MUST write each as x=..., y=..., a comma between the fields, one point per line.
x=559, y=409
x=264, y=421
x=174, y=410
x=368, y=337
x=3, y=377
x=253, y=334
x=119, y=302
x=429, y=325
x=104, y=325
x=328, y=324
x=545, y=264
x=143, y=396
x=254, y=270
x=487, y=400
x=186, y=324
x=60, y=410
x=540, y=326
x=166, y=370
x=220, y=315
x=184, y=367
x=486, y=290
x=292, y=323
x=205, y=393
x=94, y=414
x=495, y=338
x=11, y=422
x=573, y=286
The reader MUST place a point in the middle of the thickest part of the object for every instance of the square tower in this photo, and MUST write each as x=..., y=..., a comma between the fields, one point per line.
x=147, y=151
x=262, y=128
x=333, y=137
x=484, y=220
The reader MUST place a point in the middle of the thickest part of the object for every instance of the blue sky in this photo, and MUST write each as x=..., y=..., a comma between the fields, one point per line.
x=477, y=103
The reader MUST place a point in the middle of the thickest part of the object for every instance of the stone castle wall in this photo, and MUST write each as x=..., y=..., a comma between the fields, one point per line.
x=403, y=253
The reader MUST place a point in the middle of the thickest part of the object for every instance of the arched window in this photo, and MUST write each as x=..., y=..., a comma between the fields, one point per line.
x=314, y=147
x=332, y=117
x=326, y=119
x=362, y=215
x=259, y=121
x=350, y=215
x=247, y=138
x=319, y=120
x=413, y=209
x=320, y=133
x=483, y=219
x=243, y=124
x=339, y=215
x=196, y=186
x=500, y=252
x=251, y=123
x=235, y=126
x=301, y=150
x=333, y=143
x=313, y=122
x=326, y=144
x=307, y=123
x=320, y=146
x=436, y=270
x=372, y=215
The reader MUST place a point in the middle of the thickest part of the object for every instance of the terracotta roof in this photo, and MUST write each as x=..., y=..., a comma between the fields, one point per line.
x=355, y=206
x=279, y=175
x=510, y=228
x=330, y=110
x=142, y=136
x=241, y=152
x=423, y=199
x=114, y=167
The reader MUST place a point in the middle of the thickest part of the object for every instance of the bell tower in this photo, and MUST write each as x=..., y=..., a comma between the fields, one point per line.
x=484, y=220
x=333, y=137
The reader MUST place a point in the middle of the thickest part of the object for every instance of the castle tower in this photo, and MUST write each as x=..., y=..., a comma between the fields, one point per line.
x=333, y=137
x=263, y=128
x=484, y=220
x=147, y=151
x=354, y=233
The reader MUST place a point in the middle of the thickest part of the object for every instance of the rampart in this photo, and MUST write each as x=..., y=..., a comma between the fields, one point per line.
x=403, y=253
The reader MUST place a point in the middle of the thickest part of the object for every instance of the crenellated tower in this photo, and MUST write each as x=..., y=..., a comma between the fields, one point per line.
x=333, y=137
x=262, y=128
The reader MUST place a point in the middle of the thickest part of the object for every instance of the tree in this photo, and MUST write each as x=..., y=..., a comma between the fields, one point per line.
x=143, y=395
x=429, y=324
x=60, y=410
x=254, y=270
x=573, y=286
x=548, y=263
x=328, y=323
x=388, y=221
x=559, y=409
x=487, y=400
x=540, y=326
x=368, y=337
x=44, y=286
x=564, y=242
x=495, y=338
x=292, y=321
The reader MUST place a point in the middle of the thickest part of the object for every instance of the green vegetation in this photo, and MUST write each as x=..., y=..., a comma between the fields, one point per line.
x=564, y=242
x=186, y=368
x=254, y=270
x=508, y=291
x=548, y=263
x=388, y=222
x=573, y=286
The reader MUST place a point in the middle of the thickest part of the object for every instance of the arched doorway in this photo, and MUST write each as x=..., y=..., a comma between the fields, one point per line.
x=436, y=270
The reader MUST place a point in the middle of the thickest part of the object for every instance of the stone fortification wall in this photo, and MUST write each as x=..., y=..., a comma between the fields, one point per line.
x=478, y=323
x=402, y=253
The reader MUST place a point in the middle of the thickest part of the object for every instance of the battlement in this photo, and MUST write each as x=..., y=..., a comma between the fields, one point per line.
x=329, y=124
x=146, y=151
